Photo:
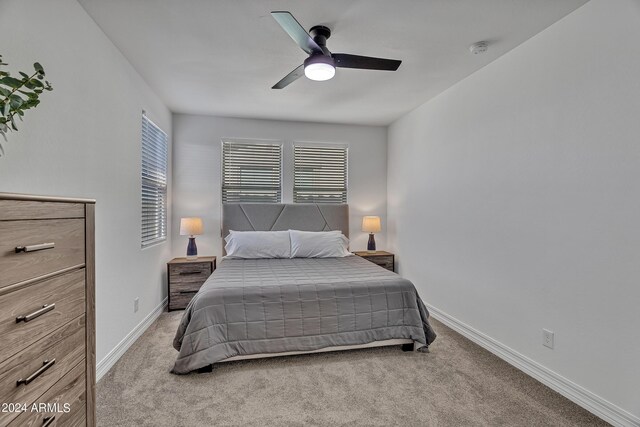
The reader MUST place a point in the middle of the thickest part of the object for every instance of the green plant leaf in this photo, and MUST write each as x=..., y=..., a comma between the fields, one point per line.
x=30, y=95
x=16, y=101
x=38, y=68
x=11, y=82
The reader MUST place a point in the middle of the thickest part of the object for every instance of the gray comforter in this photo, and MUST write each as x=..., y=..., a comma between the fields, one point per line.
x=280, y=305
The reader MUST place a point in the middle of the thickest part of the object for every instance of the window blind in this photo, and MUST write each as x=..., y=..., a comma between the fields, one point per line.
x=251, y=172
x=320, y=174
x=154, y=183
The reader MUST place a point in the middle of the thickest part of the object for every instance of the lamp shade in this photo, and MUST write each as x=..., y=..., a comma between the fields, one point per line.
x=190, y=226
x=371, y=224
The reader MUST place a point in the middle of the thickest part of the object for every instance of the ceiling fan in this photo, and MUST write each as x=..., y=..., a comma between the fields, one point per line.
x=321, y=63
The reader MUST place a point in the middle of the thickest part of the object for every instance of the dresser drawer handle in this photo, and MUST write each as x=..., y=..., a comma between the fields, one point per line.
x=28, y=317
x=189, y=273
x=188, y=292
x=33, y=248
x=47, y=421
x=45, y=365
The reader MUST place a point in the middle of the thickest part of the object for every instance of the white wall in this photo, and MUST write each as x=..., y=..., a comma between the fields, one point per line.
x=197, y=162
x=84, y=141
x=514, y=199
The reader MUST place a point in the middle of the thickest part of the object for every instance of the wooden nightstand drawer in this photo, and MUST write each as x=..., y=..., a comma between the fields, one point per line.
x=185, y=279
x=49, y=245
x=381, y=258
x=180, y=299
x=196, y=272
x=180, y=294
x=64, y=297
x=187, y=286
x=383, y=261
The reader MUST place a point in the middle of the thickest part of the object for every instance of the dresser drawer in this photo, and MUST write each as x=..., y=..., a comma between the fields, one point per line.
x=66, y=346
x=190, y=273
x=65, y=402
x=32, y=209
x=66, y=235
x=66, y=294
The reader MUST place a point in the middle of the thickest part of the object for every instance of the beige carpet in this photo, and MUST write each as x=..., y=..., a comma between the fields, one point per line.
x=456, y=384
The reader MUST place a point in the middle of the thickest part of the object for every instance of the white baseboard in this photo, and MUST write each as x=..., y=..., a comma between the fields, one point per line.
x=112, y=357
x=572, y=391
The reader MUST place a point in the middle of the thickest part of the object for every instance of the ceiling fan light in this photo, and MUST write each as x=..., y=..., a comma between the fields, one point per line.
x=319, y=68
x=319, y=72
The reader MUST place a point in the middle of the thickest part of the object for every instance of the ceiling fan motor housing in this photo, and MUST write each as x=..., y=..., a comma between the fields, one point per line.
x=320, y=34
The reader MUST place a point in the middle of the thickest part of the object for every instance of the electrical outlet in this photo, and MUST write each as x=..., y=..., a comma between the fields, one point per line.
x=136, y=303
x=547, y=338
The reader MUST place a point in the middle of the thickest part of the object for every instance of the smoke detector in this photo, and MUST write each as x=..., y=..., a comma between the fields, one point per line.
x=478, y=47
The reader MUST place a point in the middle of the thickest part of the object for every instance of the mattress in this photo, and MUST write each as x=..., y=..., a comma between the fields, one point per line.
x=282, y=305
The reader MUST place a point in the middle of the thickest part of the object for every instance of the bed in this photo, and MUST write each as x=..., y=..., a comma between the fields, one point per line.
x=250, y=308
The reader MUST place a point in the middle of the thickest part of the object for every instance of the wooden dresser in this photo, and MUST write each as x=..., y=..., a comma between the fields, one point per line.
x=47, y=311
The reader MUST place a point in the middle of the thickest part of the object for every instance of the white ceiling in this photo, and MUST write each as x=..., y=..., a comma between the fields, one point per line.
x=221, y=57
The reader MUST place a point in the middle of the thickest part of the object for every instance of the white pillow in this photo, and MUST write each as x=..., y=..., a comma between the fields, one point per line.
x=258, y=244
x=318, y=244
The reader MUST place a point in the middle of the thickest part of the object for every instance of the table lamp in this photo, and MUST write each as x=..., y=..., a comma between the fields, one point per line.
x=191, y=227
x=371, y=224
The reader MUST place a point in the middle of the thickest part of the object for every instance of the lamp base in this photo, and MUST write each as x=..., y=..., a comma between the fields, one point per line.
x=371, y=245
x=192, y=249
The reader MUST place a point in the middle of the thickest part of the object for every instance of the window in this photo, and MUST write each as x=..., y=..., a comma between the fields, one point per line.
x=320, y=174
x=154, y=183
x=251, y=172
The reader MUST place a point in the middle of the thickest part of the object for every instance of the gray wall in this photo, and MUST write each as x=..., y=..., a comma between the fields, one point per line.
x=514, y=199
x=197, y=163
x=84, y=141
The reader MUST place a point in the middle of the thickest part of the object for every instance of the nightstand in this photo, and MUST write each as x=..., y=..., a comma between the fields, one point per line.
x=185, y=278
x=381, y=258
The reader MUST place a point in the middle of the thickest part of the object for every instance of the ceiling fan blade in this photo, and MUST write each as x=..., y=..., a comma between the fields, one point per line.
x=290, y=78
x=344, y=60
x=296, y=32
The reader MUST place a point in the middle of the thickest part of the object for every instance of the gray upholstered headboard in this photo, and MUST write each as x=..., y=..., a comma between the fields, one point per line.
x=280, y=216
